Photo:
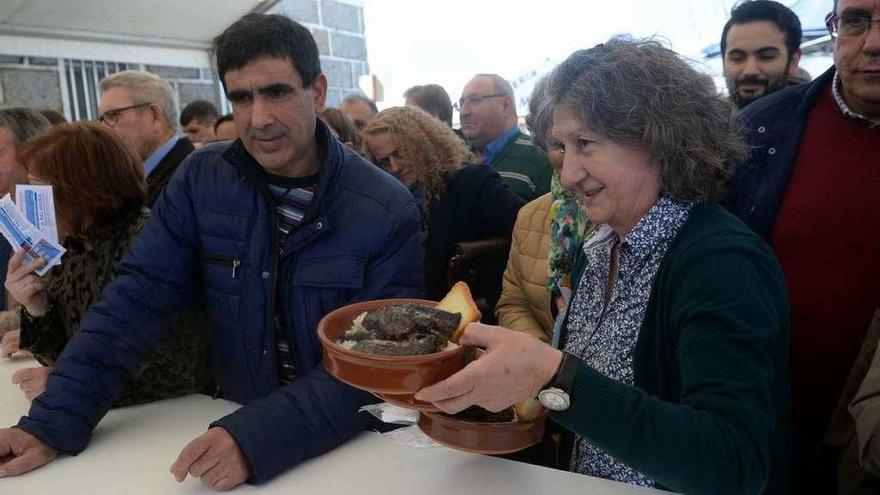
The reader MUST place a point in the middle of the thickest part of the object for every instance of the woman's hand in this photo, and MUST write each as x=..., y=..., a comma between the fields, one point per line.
x=25, y=286
x=516, y=366
x=32, y=381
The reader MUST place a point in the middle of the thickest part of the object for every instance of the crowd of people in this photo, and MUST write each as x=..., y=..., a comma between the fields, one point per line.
x=674, y=293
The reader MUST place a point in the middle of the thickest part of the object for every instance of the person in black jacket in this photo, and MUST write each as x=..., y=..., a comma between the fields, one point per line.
x=459, y=202
x=139, y=106
x=810, y=188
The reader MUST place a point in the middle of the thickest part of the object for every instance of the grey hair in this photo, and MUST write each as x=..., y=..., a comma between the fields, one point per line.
x=146, y=87
x=637, y=92
x=539, y=119
x=24, y=123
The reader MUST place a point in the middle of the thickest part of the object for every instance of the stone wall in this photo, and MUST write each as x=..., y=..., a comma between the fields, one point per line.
x=31, y=82
x=36, y=82
x=338, y=29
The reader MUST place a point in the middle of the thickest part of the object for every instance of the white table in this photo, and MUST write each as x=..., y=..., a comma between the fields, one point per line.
x=132, y=449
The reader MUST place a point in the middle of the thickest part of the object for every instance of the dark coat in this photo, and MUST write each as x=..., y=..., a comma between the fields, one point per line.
x=774, y=126
x=475, y=205
x=163, y=172
x=214, y=231
x=708, y=412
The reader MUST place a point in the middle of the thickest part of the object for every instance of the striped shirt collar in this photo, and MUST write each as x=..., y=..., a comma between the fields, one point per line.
x=838, y=97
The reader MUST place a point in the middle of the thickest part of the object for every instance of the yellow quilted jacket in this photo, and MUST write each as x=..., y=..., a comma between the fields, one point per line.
x=525, y=302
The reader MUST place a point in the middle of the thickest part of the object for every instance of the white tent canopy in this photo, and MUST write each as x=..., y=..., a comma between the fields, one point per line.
x=168, y=23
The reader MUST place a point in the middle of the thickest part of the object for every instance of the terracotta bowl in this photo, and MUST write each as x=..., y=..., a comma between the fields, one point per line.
x=482, y=438
x=396, y=376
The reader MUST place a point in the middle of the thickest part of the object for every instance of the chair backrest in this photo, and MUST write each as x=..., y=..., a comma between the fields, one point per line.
x=481, y=265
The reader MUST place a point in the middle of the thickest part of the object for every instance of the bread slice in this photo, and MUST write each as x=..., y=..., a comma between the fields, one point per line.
x=528, y=410
x=459, y=300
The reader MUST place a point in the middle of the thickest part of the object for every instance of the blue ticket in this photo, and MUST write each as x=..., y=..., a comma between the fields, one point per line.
x=23, y=235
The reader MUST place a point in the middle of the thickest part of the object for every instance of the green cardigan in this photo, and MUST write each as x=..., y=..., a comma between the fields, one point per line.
x=524, y=167
x=709, y=410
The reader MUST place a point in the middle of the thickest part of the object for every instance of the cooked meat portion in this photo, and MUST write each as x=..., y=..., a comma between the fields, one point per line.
x=401, y=330
x=357, y=334
x=400, y=321
x=415, y=345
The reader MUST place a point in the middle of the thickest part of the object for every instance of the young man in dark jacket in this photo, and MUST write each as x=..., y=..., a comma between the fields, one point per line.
x=811, y=189
x=275, y=230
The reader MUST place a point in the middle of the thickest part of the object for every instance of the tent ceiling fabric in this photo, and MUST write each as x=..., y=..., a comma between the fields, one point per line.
x=195, y=21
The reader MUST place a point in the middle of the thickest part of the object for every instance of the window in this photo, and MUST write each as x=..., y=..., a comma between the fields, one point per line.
x=83, y=79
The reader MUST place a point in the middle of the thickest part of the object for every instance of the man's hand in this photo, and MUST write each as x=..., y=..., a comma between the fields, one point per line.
x=21, y=452
x=32, y=381
x=9, y=343
x=215, y=458
x=25, y=286
x=516, y=366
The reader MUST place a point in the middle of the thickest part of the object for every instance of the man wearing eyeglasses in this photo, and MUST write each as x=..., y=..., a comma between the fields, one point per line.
x=488, y=121
x=140, y=107
x=811, y=189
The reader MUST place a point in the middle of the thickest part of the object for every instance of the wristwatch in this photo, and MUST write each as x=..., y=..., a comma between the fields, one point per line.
x=556, y=395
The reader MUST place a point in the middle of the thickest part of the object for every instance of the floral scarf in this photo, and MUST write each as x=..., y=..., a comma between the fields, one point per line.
x=568, y=223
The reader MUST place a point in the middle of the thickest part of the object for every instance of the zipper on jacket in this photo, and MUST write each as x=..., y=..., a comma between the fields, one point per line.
x=273, y=323
x=234, y=263
x=274, y=318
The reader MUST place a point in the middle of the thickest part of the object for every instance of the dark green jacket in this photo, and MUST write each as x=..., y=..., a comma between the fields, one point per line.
x=709, y=410
x=524, y=168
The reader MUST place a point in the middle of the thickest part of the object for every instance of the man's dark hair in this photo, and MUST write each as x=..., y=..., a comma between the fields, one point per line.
x=356, y=97
x=201, y=110
x=225, y=118
x=433, y=99
x=267, y=35
x=766, y=10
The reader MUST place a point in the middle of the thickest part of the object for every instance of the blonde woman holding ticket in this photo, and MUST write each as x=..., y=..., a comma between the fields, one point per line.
x=99, y=193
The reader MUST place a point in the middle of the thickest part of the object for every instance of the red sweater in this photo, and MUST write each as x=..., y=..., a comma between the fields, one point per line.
x=827, y=239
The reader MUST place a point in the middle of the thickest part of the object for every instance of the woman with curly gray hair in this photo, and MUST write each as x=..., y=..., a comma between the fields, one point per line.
x=669, y=366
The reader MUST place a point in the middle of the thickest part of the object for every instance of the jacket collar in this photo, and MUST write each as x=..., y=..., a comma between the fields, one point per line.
x=332, y=156
x=814, y=90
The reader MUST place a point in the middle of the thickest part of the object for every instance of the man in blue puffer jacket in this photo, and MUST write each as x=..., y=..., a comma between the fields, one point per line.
x=274, y=231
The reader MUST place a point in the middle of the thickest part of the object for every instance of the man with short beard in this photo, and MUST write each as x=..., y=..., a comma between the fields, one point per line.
x=810, y=188
x=760, y=45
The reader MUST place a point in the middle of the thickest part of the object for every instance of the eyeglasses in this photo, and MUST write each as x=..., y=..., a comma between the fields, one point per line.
x=849, y=26
x=474, y=99
x=111, y=117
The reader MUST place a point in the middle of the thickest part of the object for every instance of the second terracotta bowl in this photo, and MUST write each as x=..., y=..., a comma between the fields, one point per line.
x=482, y=438
x=396, y=376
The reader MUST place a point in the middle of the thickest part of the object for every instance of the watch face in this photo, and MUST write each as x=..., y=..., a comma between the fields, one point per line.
x=554, y=399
